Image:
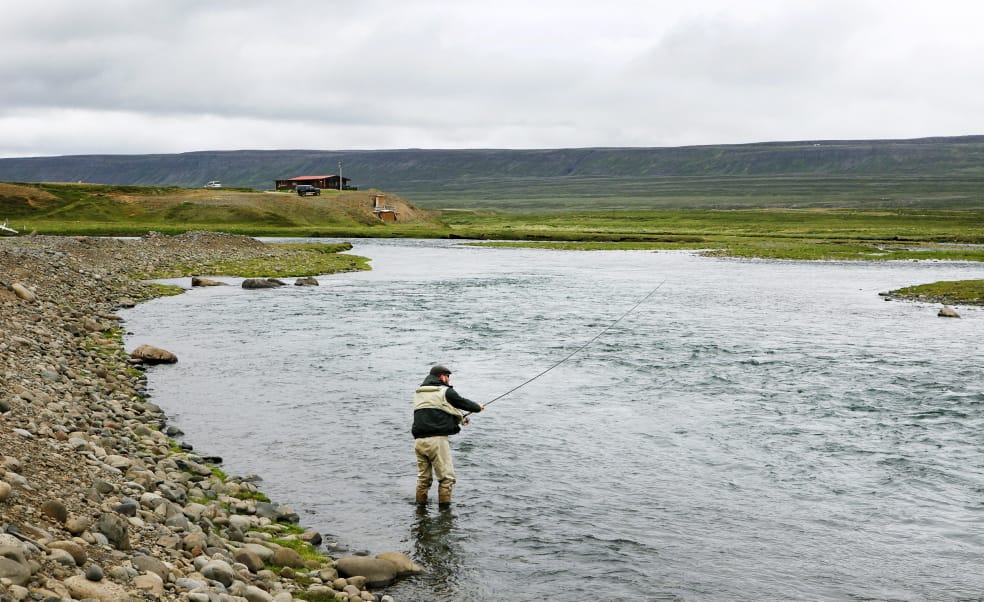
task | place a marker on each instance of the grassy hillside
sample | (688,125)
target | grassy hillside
(938,172)
(872,234)
(123,210)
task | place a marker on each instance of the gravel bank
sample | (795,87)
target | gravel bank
(95,501)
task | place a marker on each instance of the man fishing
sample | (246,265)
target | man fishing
(436,416)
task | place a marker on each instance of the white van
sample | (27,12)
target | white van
(214,184)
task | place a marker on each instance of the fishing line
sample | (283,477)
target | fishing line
(578,350)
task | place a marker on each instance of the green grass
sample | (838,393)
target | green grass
(917,225)
(304,260)
(644,192)
(800,217)
(958,292)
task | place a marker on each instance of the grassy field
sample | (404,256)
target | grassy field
(817,233)
(624,193)
(790,234)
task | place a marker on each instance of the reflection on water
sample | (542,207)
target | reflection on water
(436,548)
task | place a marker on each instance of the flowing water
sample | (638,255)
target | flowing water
(753,430)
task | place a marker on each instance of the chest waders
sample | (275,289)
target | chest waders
(434,453)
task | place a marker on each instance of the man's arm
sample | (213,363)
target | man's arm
(460,402)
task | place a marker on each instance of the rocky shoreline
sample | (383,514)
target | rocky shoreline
(96,502)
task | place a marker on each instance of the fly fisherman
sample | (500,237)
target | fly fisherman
(436,415)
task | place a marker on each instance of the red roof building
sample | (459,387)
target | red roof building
(329,182)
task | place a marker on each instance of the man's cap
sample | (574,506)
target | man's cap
(439,370)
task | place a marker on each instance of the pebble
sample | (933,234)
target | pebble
(102,504)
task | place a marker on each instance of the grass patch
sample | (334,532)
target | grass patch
(311,259)
(257,496)
(589,246)
(813,250)
(790,249)
(306,550)
(152,290)
(953,292)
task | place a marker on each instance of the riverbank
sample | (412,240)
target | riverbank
(96,502)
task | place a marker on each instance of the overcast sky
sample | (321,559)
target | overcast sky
(163,76)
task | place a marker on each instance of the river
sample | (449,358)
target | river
(752,430)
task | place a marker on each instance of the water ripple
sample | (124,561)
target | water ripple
(757,430)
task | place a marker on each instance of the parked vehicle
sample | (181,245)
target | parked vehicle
(306,189)
(214,184)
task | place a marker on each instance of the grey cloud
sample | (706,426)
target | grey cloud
(188,74)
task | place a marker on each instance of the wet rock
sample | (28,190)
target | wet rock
(258,283)
(378,573)
(200,281)
(149,354)
(280,513)
(312,537)
(948,312)
(402,562)
(308,281)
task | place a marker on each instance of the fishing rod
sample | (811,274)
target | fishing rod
(576,351)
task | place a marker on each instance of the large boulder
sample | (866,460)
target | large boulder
(378,572)
(104,591)
(280,513)
(948,312)
(114,527)
(219,570)
(250,559)
(149,354)
(287,557)
(77,552)
(150,582)
(402,562)
(151,564)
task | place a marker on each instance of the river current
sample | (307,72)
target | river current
(753,430)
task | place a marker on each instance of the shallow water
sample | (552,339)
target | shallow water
(754,430)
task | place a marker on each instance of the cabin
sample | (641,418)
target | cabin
(329,182)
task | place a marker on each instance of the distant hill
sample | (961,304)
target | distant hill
(937,171)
